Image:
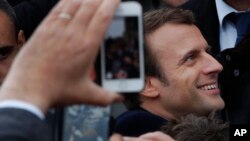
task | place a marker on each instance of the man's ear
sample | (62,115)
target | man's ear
(151,89)
(20,39)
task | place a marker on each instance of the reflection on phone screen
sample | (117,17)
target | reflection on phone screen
(122,49)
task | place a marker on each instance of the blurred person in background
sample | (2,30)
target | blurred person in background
(11,38)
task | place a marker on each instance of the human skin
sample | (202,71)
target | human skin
(9,44)
(191,71)
(175,3)
(240,5)
(53,67)
(154,136)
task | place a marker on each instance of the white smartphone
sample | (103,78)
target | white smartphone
(122,60)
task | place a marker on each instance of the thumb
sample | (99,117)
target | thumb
(117,137)
(98,96)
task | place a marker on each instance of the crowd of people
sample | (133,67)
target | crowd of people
(195,65)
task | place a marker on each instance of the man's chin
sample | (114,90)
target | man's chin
(218,106)
(222,105)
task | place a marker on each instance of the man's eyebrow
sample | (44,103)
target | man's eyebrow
(190,52)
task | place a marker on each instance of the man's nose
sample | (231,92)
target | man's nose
(212,65)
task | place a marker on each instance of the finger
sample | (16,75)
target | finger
(157,136)
(100,22)
(99,96)
(54,21)
(85,14)
(116,137)
(138,139)
(131,139)
(69,11)
(53,15)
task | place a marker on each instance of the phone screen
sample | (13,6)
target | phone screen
(121,49)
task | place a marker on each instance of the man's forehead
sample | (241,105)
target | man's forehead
(5,22)
(176,39)
(171,34)
(3,13)
(5,18)
(7,30)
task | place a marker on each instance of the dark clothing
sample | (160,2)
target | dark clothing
(235,77)
(235,82)
(15,2)
(137,122)
(207,20)
(31,12)
(20,125)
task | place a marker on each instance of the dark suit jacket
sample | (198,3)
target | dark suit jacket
(20,125)
(15,2)
(235,77)
(235,82)
(137,122)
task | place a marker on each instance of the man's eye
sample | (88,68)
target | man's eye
(189,58)
(5,52)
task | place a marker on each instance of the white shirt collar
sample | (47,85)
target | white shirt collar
(24,106)
(223,9)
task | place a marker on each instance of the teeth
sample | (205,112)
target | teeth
(209,87)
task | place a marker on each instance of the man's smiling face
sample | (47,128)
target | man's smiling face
(191,72)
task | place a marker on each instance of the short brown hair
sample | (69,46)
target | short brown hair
(153,20)
(197,128)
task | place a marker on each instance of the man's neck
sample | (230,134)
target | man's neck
(240,5)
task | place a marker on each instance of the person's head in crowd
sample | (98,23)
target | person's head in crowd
(181,76)
(197,128)
(11,38)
